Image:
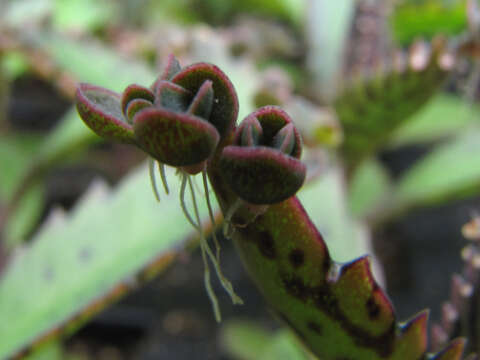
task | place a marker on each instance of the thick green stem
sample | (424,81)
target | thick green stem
(338,310)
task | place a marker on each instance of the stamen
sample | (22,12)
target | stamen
(151,171)
(163,177)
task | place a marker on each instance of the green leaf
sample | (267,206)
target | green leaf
(52,351)
(284,346)
(245,340)
(443,116)
(414,19)
(14,63)
(15,156)
(369,188)
(82,15)
(77,263)
(92,62)
(328,26)
(450,170)
(371,110)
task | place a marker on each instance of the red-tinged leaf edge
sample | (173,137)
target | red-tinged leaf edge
(225,104)
(176,139)
(261,175)
(101,111)
(133,92)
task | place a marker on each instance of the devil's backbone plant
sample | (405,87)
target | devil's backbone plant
(187,119)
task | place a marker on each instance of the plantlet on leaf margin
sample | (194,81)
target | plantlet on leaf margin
(262,166)
(179,121)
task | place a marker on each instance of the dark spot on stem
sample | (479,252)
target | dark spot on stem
(326,302)
(297,258)
(315,327)
(263,240)
(266,245)
(372,308)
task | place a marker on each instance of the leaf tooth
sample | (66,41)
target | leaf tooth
(453,351)
(413,335)
(361,299)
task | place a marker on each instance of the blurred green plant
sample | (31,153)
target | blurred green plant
(427,18)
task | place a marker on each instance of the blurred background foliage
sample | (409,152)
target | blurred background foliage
(389,116)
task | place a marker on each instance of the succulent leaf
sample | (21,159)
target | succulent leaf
(176,139)
(225,104)
(135,106)
(172,96)
(285,139)
(272,120)
(261,175)
(101,111)
(171,69)
(133,92)
(202,103)
(251,131)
